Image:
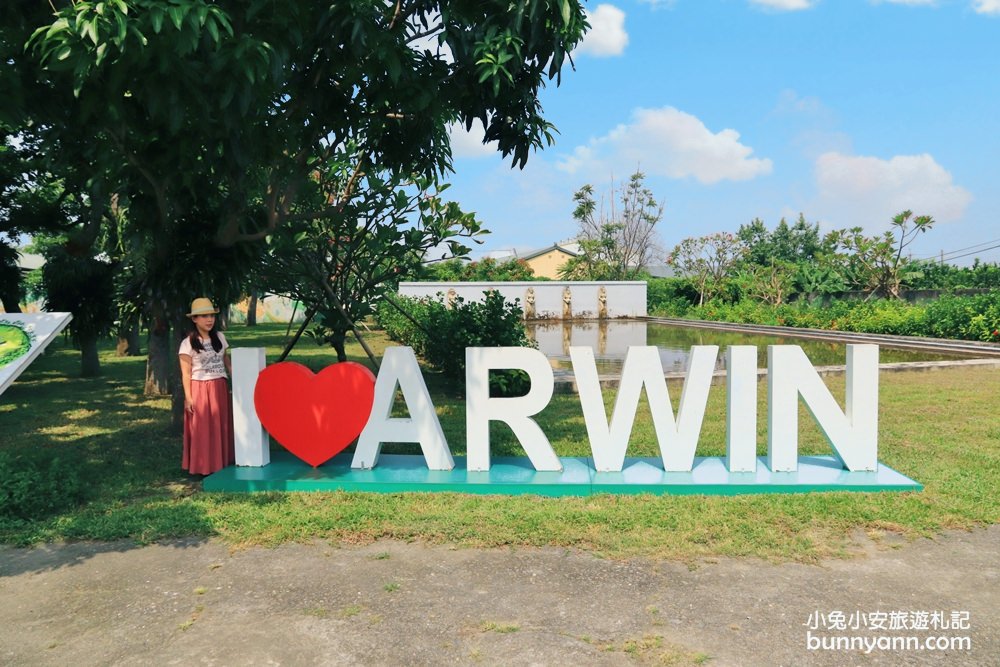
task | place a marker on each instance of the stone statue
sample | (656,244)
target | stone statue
(602,303)
(567,303)
(451,296)
(529,304)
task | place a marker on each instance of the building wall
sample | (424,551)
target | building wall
(624,299)
(547,265)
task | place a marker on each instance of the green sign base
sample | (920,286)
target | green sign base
(397,473)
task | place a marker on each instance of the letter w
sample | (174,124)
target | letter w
(677,438)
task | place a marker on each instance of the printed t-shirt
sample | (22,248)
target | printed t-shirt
(207,364)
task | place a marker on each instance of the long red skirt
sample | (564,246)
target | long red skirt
(208,431)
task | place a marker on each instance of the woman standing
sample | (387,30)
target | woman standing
(208,417)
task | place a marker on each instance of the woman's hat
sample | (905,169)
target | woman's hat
(202,306)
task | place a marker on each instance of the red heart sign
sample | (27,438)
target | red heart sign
(315,416)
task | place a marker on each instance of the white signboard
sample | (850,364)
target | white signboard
(852,432)
(23,337)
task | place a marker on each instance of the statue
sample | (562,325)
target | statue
(450,298)
(602,303)
(567,312)
(529,304)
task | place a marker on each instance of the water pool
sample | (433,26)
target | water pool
(610,339)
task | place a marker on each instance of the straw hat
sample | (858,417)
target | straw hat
(202,306)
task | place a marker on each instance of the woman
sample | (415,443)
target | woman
(208,418)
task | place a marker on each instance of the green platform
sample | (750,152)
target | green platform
(514,475)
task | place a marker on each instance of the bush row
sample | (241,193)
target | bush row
(957,317)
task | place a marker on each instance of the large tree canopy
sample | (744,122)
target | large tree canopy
(209,122)
(253,96)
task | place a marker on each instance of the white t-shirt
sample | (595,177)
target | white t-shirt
(207,364)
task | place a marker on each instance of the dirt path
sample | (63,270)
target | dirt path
(393,604)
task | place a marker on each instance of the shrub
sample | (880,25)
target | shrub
(401,328)
(37,485)
(670,297)
(966,317)
(444,333)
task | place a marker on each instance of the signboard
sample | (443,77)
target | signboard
(23,337)
(316,416)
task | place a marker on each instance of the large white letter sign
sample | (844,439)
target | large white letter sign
(516,412)
(853,433)
(400,369)
(253,446)
(677,438)
(741,408)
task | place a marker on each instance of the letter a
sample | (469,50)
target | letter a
(400,369)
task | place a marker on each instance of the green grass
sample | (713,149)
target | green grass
(940,428)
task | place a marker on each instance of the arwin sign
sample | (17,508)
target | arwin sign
(317,416)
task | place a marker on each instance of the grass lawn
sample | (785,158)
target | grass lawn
(941,428)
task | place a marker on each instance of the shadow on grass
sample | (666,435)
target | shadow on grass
(118,472)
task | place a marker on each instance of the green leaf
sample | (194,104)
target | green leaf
(213,30)
(90,30)
(156,19)
(122,29)
(177,15)
(565,11)
(102,51)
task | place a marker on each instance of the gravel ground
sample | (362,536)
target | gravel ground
(390,603)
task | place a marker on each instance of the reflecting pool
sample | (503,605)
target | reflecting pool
(610,339)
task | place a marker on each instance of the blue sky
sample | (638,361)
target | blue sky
(847,111)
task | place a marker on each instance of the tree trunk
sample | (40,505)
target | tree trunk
(159,359)
(90,365)
(338,341)
(177,409)
(10,303)
(128,343)
(252,310)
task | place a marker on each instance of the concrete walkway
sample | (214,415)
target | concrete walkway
(391,603)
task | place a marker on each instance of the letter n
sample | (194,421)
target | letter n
(852,433)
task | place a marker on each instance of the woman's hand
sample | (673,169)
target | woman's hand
(188,406)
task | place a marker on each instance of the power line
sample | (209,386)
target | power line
(957,250)
(974,252)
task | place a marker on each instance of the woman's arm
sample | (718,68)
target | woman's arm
(225,355)
(186,381)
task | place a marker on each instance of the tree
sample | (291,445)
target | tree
(339,263)
(877,263)
(484,270)
(770,283)
(616,243)
(84,286)
(794,243)
(708,261)
(211,118)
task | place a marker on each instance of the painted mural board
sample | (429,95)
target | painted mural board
(24,336)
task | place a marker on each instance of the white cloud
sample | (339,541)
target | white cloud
(790,101)
(991,7)
(607,35)
(668,142)
(867,191)
(469,144)
(784,5)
